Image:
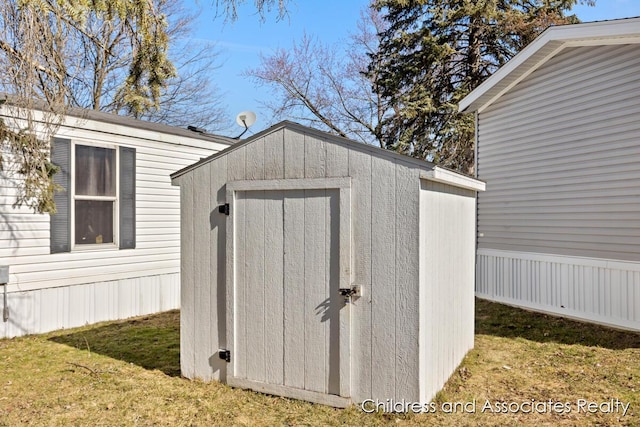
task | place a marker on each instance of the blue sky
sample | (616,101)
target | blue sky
(240,43)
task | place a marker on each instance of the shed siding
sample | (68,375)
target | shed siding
(25,243)
(381,236)
(560,153)
(292,343)
(447,253)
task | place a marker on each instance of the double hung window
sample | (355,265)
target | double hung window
(94,197)
(96,204)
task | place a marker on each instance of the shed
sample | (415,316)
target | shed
(325,269)
(558,142)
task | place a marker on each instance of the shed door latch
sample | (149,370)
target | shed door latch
(224,209)
(225,355)
(353,291)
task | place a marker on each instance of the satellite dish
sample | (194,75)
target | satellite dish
(246,119)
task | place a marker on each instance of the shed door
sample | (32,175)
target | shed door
(290,322)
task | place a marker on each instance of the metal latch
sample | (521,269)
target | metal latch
(353,291)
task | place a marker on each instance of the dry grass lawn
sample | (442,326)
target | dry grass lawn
(127,373)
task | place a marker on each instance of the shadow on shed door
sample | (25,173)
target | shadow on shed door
(287,305)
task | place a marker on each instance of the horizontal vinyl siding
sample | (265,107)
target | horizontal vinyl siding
(559,153)
(24,236)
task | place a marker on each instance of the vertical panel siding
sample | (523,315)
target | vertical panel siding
(407,217)
(253,262)
(559,153)
(200,239)
(294,245)
(315,292)
(385,209)
(360,171)
(273,287)
(188,288)
(595,290)
(447,252)
(383,279)
(280,340)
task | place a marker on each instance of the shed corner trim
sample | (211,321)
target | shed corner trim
(445,176)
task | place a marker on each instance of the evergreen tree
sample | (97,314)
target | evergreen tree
(434,53)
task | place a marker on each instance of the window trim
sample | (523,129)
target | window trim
(115,245)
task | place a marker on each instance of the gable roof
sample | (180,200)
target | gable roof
(320,134)
(429,170)
(543,48)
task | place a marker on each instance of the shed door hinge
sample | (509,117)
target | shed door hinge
(224,209)
(225,355)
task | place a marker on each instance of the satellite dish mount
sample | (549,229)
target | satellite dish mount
(245,119)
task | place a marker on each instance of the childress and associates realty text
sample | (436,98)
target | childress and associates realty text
(531,406)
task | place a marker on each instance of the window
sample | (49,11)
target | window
(95,195)
(96,207)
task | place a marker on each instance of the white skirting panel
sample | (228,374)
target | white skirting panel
(596,290)
(45,310)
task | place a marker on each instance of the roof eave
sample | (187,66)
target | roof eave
(84,114)
(542,49)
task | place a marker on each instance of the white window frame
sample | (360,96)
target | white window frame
(115,199)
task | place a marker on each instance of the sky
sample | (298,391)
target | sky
(241,43)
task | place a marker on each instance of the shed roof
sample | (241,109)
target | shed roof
(543,48)
(321,134)
(430,170)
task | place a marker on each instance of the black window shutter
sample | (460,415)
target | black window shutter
(60,238)
(127,198)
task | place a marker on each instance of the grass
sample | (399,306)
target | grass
(127,373)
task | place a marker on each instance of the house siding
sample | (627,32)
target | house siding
(35,272)
(559,152)
(558,227)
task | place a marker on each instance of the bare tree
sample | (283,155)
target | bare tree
(110,55)
(230,7)
(325,86)
(104,55)
(43,68)
(189,97)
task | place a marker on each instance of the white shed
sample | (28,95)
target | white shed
(558,144)
(279,229)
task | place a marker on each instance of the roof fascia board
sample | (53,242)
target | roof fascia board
(484,105)
(445,176)
(623,31)
(602,41)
